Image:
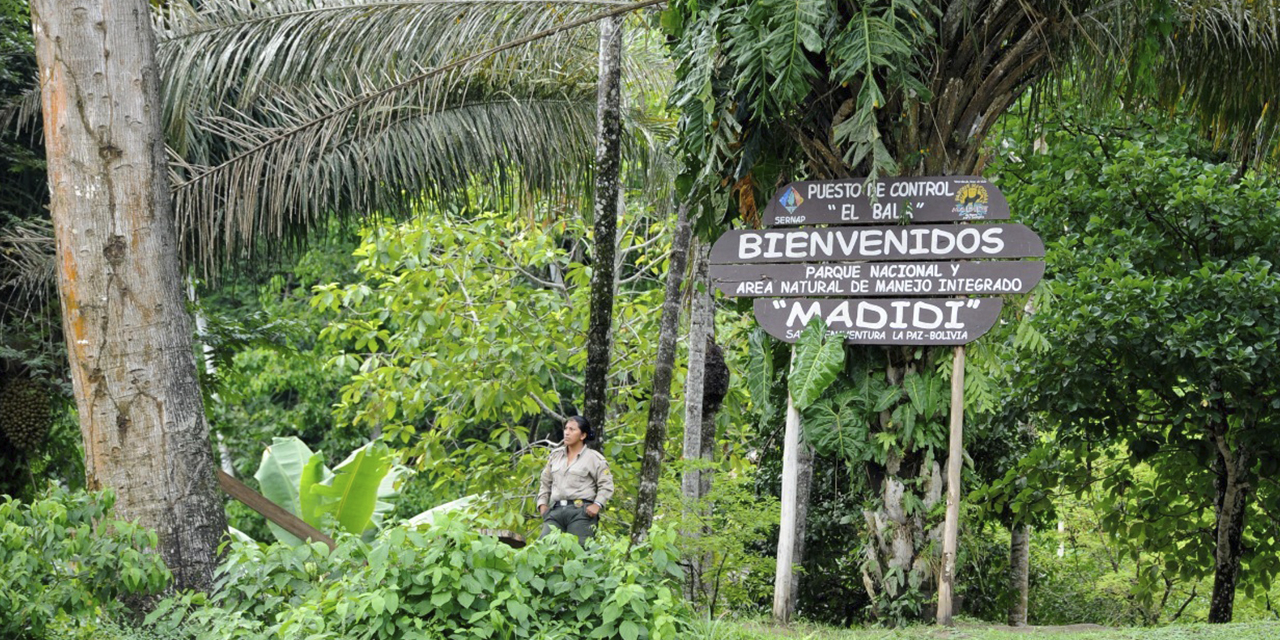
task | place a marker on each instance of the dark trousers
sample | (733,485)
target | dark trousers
(572,519)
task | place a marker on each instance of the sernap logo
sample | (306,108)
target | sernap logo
(790,200)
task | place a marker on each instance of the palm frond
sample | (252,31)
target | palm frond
(235,52)
(411,153)
(343,143)
(1224,61)
(27,263)
(1215,58)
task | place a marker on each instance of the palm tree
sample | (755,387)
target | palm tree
(772,90)
(283,114)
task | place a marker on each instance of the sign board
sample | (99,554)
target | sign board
(877,278)
(904,321)
(898,242)
(856,201)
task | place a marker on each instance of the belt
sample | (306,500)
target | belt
(570,503)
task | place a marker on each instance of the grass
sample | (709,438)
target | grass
(975,630)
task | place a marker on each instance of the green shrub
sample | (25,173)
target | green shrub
(63,559)
(442,582)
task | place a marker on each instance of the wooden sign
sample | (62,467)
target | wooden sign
(899,242)
(877,278)
(856,201)
(902,321)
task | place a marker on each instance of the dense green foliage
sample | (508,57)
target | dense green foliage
(441,582)
(464,350)
(66,561)
(1160,375)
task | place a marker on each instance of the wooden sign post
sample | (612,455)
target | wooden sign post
(782,591)
(955,460)
(883,241)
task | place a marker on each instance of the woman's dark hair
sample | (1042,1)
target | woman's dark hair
(584,425)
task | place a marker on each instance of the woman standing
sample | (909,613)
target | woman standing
(576,484)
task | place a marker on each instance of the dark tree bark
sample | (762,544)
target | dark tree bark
(128,334)
(1019,572)
(655,436)
(607,186)
(1232,484)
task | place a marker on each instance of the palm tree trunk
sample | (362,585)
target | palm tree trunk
(1019,572)
(655,436)
(607,185)
(128,334)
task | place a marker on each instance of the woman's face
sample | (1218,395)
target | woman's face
(572,433)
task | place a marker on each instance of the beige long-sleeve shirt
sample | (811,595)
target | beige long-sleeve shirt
(587,478)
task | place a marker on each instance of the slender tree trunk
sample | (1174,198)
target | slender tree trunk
(608,168)
(1019,572)
(128,334)
(700,319)
(699,333)
(655,436)
(1232,496)
(211,369)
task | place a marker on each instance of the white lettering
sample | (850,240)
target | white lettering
(918,321)
(994,243)
(866,323)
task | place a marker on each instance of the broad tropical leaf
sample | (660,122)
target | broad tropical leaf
(278,478)
(313,474)
(352,495)
(760,373)
(837,426)
(818,360)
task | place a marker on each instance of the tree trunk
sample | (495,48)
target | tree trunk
(608,166)
(655,436)
(1232,495)
(210,369)
(128,334)
(700,319)
(1019,572)
(699,335)
(897,537)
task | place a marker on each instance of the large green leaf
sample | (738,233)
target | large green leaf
(387,489)
(760,373)
(838,426)
(278,479)
(352,494)
(313,475)
(818,360)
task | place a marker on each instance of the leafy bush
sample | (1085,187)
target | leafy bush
(441,582)
(63,558)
